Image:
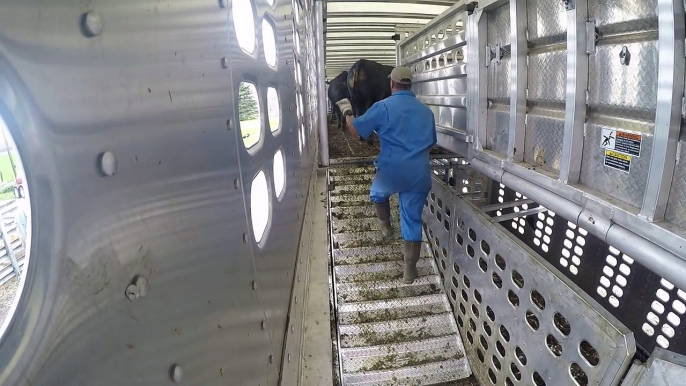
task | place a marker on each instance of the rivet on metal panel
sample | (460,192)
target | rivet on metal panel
(141,283)
(625,56)
(245,238)
(225,62)
(263,325)
(296,300)
(254,284)
(569,4)
(271,359)
(91,24)
(108,163)
(222,3)
(176,373)
(236,183)
(298,278)
(132,292)
(292,328)
(289,358)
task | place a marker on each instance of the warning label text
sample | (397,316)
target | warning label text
(617,160)
(621,141)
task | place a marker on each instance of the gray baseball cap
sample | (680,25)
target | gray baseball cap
(401,75)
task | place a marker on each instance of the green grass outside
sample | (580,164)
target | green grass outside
(7,196)
(250,130)
(6,168)
(274,123)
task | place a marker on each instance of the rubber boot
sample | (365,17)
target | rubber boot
(412,251)
(383,212)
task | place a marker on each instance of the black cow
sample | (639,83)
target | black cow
(368,83)
(338,90)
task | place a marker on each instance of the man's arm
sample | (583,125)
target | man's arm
(349,121)
(366,124)
(347,110)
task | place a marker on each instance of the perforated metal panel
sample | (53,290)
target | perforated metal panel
(517,327)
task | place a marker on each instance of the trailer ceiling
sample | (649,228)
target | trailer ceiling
(357,29)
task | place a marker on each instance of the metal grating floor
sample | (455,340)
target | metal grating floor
(389,333)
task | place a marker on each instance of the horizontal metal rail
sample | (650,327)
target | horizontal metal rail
(381,15)
(523,213)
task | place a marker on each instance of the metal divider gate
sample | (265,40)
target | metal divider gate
(522,322)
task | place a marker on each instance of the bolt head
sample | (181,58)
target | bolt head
(108,164)
(141,283)
(91,24)
(176,373)
(225,62)
(132,292)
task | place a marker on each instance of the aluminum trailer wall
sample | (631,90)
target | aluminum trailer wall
(144,264)
(536,91)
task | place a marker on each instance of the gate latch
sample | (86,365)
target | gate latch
(494,52)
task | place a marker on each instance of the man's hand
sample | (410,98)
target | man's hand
(345,106)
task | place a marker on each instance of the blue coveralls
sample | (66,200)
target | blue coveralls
(407,130)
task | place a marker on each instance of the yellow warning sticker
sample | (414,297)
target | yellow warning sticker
(617,161)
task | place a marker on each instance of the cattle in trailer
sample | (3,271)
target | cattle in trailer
(368,83)
(338,90)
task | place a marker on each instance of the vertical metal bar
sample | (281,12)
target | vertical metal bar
(8,246)
(518,83)
(577,84)
(670,80)
(477,80)
(321,89)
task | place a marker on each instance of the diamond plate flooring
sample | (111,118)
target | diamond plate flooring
(390,333)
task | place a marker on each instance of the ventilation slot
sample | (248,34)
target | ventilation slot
(544,229)
(666,312)
(615,274)
(573,248)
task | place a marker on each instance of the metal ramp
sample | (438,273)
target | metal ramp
(388,333)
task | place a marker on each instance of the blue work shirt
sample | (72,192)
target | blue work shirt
(406,129)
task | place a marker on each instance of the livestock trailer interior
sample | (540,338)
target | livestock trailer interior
(177,208)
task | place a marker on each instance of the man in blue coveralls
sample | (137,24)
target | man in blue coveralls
(407,130)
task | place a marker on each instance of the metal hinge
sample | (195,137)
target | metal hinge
(592,36)
(569,4)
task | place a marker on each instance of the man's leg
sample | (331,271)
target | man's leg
(380,197)
(411,206)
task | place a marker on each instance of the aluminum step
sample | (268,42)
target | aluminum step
(372,254)
(390,333)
